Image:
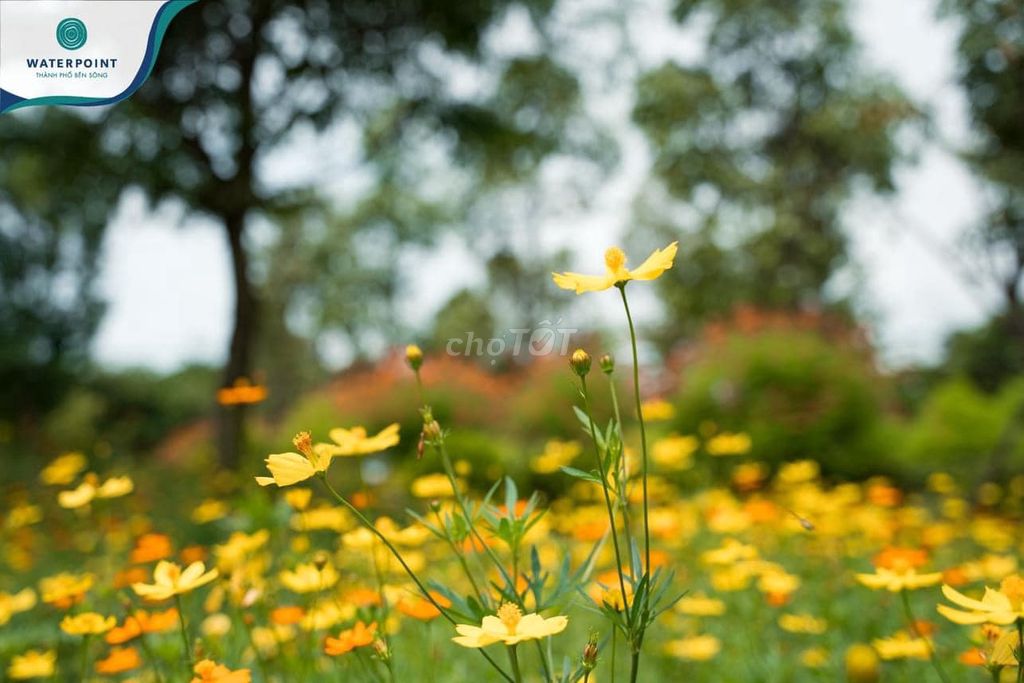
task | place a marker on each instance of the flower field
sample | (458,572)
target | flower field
(665,556)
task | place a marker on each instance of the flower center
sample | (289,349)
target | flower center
(615,259)
(304,444)
(510,616)
(1013,588)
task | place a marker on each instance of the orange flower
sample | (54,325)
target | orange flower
(122,634)
(973,657)
(193,553)
(157,622)
(901,559)
(421,608)
(210,671)
(349,639)
(363,597)
(242,392)
(125,578)
(285,616)
(151,547)
(120,659)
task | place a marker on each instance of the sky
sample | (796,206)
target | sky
(169,291)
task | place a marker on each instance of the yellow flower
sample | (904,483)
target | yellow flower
(33,664)
(510,626)
(697,648)
(1004,606)
(90,488)
(674,452)
(729,444)
(802,623)
(87,624)
(434,485)
(814,658)
(63,469)
(616,272)
(349,442)
(169,580)
(291,468)
(896,570)
(115,487)
(64,589)
(210,510)
(657,410)
(306,578)
(861,663)
(700,606)
(11,604)
(298,498)
(557,454)
(902,646)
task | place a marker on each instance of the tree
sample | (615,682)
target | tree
(238,81)
(52,216)
(756,150)
(991,71)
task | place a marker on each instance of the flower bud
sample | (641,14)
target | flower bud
(580,362)
(381,648)
(414,357)
(431,431)
(320,560)
(607,364)
(590,653)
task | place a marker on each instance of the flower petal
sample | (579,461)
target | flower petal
(656,264)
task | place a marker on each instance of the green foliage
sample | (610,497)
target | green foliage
(960,428)
(990,355)
(757,147)
(795,393)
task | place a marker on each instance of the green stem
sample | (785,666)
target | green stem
(184,634)
(483,598)
(513,659)
(85,657)
(157,669)
(615,642)
(905,596)
(623,494)
(643,432)
(408,570)
(634,666)
(607,496)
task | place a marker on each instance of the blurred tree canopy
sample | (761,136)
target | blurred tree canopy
(237,82)
(756,149)
(991,71)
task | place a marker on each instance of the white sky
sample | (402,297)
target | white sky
(169,290)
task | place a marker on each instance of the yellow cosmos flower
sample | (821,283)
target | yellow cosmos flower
(902,646)
(896,581)
(700,606)
(90,489)
(169,580)
(87,624)
(556,455)
(63,469)
(802,623)
(306,578)
(65,589)
(11,604)
(33,664)
(355,441)
(291,468)
(616,272)
(510,626)
(697,648)
(1004,606)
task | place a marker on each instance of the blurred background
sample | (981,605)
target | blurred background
(304,186)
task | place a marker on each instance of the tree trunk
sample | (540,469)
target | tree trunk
(231,419)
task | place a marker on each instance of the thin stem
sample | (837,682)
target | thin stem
(634,667)
(643,432)
(905,595)
(513,659)
(157,669)
(408,570)
(607,496)
(615,642)
(85,657)
(624,479)
(184,634)
(484,599)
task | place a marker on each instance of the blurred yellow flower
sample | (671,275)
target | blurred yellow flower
(657,410)
(11,604)
(674,452)
(1004,606)
(355,441)
(63,590)
(63,469)
(902,646)
(726,444)
(616,272)
(802,623)
(298,498)
(210,510)
(695,648)
(170,580)
(510,627)
(700,606)
(436,485)
(557,454)
(306,578)
(862,665)
(33,664)
(87,624)
(896,570)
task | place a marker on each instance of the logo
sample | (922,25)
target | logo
(71,33)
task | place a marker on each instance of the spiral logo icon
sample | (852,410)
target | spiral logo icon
(71,33)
